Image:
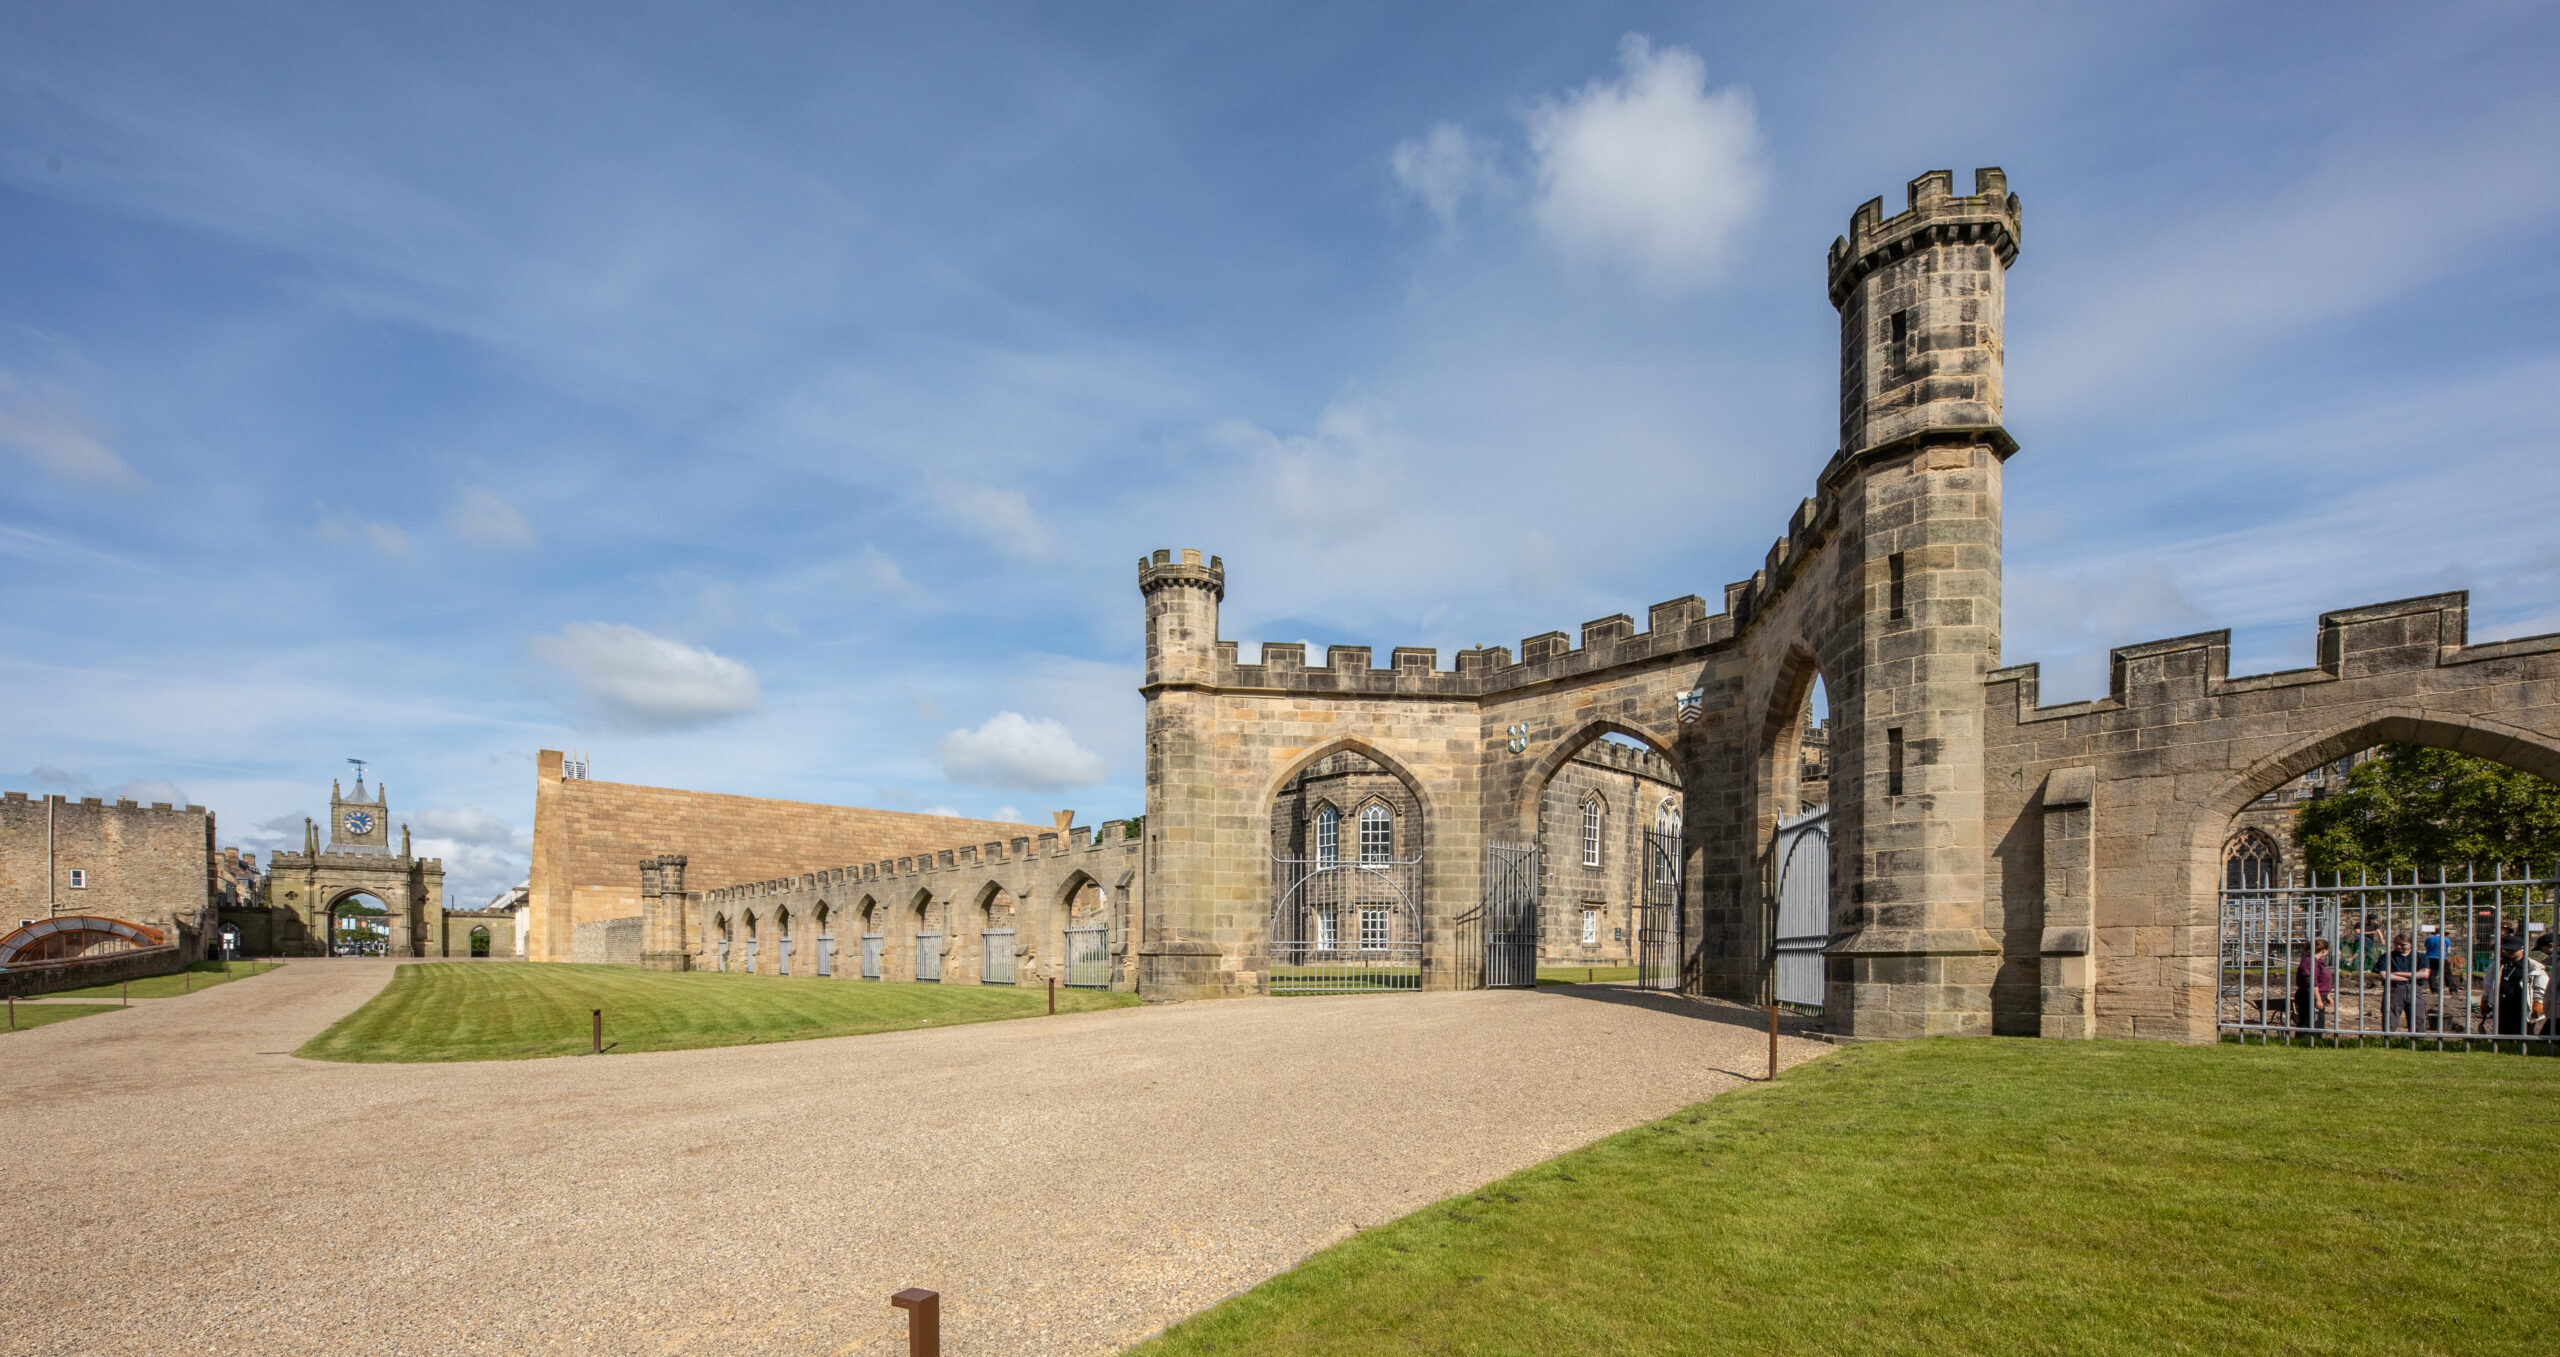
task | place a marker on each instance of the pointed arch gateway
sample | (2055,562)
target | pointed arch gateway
(1595,881)
(1348,833)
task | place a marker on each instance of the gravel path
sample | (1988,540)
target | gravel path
(1069,1184)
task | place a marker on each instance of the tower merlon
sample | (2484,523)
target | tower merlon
(1936,216)
(1165,570)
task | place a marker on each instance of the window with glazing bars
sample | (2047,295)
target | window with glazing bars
(1591,831)
(1377,835)
(1373,929)
(1324,930)
(1328,835)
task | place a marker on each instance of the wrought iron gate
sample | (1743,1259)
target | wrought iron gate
(1510,916)
(995,958)
(871,955)
(1658,950)
(2435,955)
(1341,927)
(1089,957)
(929,956)
(1800,906)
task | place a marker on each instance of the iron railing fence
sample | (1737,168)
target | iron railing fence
(929,957)
(1658,950)
(1089,957)
(1340,926)
(995,957)
(1510,922)
(2446,957)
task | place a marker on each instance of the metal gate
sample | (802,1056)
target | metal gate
(1510,916)
(1658,949)
(826,954)
(995,958)
(1089,957)
(929,956)
(1800,896)
(1342,927)
(871,955)
(2437,956)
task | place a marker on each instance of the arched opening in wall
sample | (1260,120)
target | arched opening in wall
(359,924)
(874,940)
(1080,932)
(480,940)
(2389,883)
(924,926)
(1606,826)
(228,943)
(720,942)
(73,937)
(824,917)
(782,941)
(750,942)
(995,943)
(1792,826)
(1347,912)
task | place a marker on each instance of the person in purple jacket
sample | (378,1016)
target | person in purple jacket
(2315,989)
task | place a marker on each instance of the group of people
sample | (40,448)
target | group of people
(2517,999)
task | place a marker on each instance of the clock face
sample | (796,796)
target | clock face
(359,822)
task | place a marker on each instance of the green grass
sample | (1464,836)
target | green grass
(201,975)
(1981,1196)
(43,1015)
(1578,975)
(1348,978)
(514,1010)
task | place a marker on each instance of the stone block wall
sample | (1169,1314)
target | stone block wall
(607,942)
(147,865)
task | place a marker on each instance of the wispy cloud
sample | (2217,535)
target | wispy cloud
(483,518)
(40,425)
(342,525)
(1028,753)
(624,678)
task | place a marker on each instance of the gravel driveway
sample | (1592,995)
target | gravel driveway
(1069,1184)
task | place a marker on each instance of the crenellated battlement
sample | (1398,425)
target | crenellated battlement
(1086,844)
(121,803)
(2406,635)
(1935,216)
(1165,571)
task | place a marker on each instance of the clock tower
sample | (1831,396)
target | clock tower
(357,825)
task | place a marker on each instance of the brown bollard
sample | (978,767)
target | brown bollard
(924,1320)
(13,1013)
(598,1015)
(1053,996)
(127,996)
(1773,1041)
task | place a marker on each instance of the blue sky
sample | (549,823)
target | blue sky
(776,399)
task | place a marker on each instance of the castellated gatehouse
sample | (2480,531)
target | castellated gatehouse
(1974,863)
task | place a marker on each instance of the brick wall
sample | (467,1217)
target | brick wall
(147,865)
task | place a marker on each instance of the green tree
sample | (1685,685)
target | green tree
(2415,807)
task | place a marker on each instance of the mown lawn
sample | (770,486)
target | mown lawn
(201,975)
(502,1010)
(1978,1196)
(1583,975)
(41,1015)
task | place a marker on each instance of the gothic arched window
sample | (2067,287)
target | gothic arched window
(2249,862)
(1377,835)
(1666,817)
(1591,824)
(1328,836)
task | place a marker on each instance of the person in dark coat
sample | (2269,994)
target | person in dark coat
(2520,986)
(2315,988)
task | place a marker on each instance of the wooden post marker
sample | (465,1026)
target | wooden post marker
(924,1320)
(598,1014)
(1773,1041)
(1053,996)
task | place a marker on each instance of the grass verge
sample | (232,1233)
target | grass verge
(1583,975)
(201,975)
(501,1010)
(45,1015)
(1984,1196)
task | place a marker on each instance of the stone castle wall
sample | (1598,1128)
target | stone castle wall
(607,942)
(588,836)
(148,865)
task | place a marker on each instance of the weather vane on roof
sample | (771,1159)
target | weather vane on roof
(359,763)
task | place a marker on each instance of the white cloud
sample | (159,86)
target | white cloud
(1328,486)
(1002,518)
(1032,754)
(1444,167)
(465,824)
(874,573)
(149,790)
(40,426)
(1007,813)
(1651,170)
(346,525)
(480,517)
(47,776)
(626,678)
